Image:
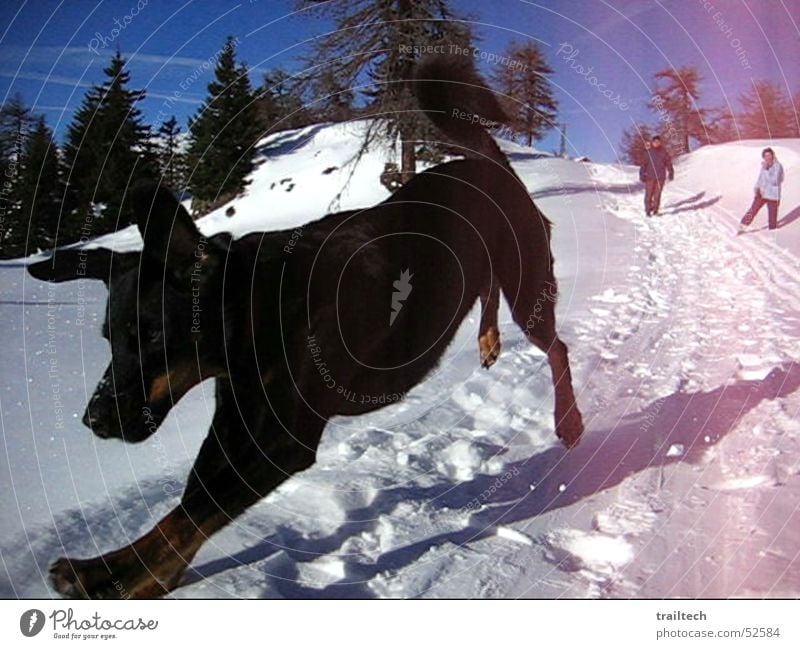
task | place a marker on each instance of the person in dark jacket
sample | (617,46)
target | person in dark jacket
(653,173)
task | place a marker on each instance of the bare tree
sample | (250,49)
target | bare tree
(634,142)
(675,99)
(373,47)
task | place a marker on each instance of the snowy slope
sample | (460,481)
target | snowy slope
(685,348)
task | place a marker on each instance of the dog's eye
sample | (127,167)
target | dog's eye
(154,336)
(130,332)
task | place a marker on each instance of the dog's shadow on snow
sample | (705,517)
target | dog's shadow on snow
(678,428)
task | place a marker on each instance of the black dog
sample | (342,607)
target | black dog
(338,318)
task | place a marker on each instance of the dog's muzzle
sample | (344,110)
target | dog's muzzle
(97,421)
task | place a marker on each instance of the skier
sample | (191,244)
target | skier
(653,173)
(767,190)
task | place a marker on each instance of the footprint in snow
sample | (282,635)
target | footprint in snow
(573,550)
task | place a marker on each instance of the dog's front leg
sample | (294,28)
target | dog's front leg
(149,567)
(152,565)
(239,463)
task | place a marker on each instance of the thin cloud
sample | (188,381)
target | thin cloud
(47,54)
(69,81)
(55,109)
(182,99)
(46,78)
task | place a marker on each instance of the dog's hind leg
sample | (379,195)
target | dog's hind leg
(568,420)
(489,334)
(536,318)
(238,464)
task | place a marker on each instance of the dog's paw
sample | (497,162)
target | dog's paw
(82,579)
(570,428)
(101,579)
(489,347)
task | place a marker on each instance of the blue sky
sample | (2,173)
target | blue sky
(46,55)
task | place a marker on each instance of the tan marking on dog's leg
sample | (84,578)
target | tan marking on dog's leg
(489,333)
(489,346)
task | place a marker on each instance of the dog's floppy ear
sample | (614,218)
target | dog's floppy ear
(66,265)
(168,231)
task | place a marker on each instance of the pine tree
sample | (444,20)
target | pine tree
(40,189)
(767,113)
(796,110)
(15,120)
(376,42)
(171,159)
(15,123)
(223,134)
(530,102)
(108,149)
(80,157)
(675,99)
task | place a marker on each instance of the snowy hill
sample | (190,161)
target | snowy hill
(685,342)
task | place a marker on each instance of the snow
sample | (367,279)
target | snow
(684,340)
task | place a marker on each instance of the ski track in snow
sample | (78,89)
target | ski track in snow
(716,360)
(685,485)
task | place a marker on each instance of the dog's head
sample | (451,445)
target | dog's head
(164,317)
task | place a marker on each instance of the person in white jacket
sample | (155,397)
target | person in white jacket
(767,190)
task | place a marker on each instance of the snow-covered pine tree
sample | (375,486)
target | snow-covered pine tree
(108,148)
(529,99)
(223,134)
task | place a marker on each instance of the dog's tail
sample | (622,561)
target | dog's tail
(460,104)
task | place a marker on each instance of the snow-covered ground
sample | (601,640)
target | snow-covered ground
(685,344)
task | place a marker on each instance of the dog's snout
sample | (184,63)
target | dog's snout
(96,418)
(91,421)
(110,417)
